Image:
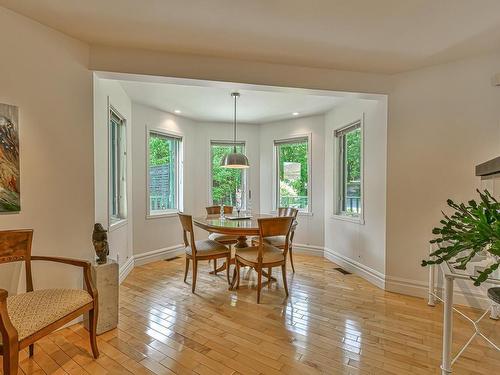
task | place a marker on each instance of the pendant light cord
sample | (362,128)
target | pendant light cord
(234,133)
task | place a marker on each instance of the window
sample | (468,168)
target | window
(164,173)
(350,169)
(292,173)
(226,181)
(117,168)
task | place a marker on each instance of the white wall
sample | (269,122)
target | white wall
(359,247)
(109,93)
(45,74)
(310,229)
(443,120)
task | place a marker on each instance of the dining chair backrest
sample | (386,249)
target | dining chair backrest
(187,227)
(15,246)
(215,210)
(274,226)
(288,211)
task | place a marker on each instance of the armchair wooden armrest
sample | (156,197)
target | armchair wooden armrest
(73,262)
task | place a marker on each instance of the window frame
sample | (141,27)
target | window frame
(244,170)
(295,138)
(120,219)
(338,213)
(179,170)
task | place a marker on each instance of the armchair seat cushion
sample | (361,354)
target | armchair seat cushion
(32,311)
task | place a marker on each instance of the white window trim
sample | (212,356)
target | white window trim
(115,223)
(337,214)
(246,172)
(309,211)
(180,174)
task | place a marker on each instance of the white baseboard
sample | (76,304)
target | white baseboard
(152,256)
(418,288)
(125,269)
(308,249)
(148,257)
(369,274)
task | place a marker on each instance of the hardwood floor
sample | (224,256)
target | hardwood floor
(331,324)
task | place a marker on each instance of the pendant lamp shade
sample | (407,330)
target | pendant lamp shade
(234,159)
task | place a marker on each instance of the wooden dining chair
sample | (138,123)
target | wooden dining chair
(265,256)
(200,250)
(222,238)
(215,210)
(27,317)
(279,241)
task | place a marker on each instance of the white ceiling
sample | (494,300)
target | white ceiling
(385,36)
(216,104)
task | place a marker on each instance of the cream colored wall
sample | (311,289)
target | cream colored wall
(359,247)
(310,229)
(443,120)
(109,93)
(45,74)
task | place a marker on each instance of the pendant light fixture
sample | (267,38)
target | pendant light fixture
(235,159)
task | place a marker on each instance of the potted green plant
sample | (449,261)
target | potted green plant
(472,229)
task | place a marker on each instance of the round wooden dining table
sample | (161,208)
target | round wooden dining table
(231,225)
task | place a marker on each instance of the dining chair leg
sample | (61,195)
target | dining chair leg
(269,275)
(31,350)
(259,283)
(215,266)
(283,271)
(195,273)
(238,274)
(187,269)
(291,258)
(228,262)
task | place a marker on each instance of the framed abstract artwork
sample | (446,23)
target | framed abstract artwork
(9,159)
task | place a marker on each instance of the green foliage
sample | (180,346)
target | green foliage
(225,181)
(296,153)
(353,153)
(159,150)
(470,229)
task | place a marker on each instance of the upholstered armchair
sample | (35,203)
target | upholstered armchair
(25,318)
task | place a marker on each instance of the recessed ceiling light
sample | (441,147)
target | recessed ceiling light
(177,111)
(295,113)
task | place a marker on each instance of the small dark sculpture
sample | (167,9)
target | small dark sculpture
(100,241)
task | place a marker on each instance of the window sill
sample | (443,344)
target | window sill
(116,224)
(162,215)
(351,219)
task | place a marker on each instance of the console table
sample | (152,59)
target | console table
(450,275)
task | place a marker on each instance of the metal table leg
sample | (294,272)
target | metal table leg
(447,326)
